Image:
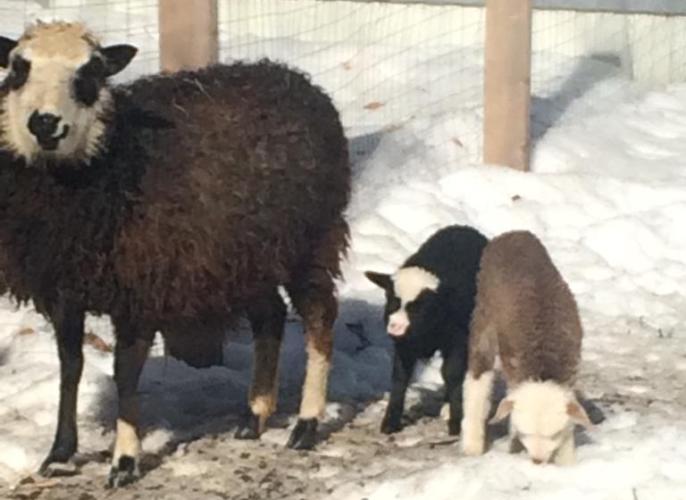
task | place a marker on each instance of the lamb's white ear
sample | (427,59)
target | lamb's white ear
(578,415)
(504,409)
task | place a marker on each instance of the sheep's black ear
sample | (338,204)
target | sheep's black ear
(380,279)
(6,46)
(117,57)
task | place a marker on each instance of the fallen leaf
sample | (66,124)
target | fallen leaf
(26,331)
(97,343)
(373,105)
(457,141)
(516,197)
(347,65)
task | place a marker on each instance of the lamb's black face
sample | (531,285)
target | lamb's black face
(413,303)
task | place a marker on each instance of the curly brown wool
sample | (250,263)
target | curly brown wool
(212,189)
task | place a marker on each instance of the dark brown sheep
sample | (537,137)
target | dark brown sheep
(526,314)
(174,203)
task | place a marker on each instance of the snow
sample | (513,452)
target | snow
(607,196)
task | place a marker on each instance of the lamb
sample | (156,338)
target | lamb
(429,303)
(175,203)
(526,314)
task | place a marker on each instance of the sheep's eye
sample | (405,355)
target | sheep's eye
(88,80)
(393,304)
(19,73)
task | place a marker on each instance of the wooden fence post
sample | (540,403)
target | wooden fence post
(189,34)
(507,83)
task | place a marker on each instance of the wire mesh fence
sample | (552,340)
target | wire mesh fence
(601,55)
(401,65)
(406,68)
(115,21)
(385,64)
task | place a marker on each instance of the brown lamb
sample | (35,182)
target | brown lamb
(526,314)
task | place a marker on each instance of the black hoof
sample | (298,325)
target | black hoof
(453,427)
(58,463)
(391,425)
(249,428)
(123,473)
(304,434)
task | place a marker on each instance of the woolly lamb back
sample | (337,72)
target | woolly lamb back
(535,314)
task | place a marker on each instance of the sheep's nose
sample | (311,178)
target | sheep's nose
(537,461)
(43,125)
(397,325)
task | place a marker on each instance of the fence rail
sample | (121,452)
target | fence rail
(655,7)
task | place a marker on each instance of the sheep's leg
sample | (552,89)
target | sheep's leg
(478,382)
(453,372)
(477,394)
(403,368)
(316,304)
(312,292)
(130,354)
(68,325)
(267,318)
(566,453)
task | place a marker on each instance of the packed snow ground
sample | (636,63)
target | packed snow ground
(607,195)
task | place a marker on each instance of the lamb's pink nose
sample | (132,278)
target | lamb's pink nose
(397,324)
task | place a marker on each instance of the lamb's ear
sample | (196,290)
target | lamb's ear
(578,415)
(6,46)
(380,279)
(504,409)
(117,57)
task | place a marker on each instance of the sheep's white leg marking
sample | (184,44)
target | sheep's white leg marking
(265,377)
(566,453)
(316,379)
(267,318)
(477,404)
(127,442)
(263,406)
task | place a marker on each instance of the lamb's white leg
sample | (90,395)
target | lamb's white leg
(477,404)
(566,453)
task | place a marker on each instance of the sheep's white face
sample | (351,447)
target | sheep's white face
(412,302)
(56,93)
(542,417)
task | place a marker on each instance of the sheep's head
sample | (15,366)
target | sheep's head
(415,302)
(542,417)
(54,99)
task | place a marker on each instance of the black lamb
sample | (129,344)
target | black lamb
(429,303)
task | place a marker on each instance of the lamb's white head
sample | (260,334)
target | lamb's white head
(542,417)
(54,99)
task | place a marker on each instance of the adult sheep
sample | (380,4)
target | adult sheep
(173,204)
